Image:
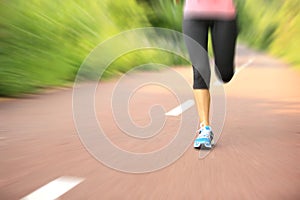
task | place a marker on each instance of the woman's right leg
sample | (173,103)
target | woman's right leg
(198,31)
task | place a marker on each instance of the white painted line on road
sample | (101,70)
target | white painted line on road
(54,189)
(249,62)
(218,83)
(181,108)
(237,70)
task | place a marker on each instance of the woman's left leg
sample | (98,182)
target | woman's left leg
(224,35)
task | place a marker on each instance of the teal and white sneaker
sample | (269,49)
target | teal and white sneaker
(204,138)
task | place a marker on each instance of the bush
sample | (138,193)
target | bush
(43,43)
(273,26)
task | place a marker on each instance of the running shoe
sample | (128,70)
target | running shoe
(204,138)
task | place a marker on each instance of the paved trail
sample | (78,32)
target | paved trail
(257,155)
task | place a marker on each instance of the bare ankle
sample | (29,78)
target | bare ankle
(204,123)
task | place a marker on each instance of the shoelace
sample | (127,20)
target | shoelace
(204,134)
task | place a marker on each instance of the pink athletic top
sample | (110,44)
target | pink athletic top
(209,9)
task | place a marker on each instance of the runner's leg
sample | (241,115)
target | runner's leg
(224,35)
(198,31)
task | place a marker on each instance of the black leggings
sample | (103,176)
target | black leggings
(223,34)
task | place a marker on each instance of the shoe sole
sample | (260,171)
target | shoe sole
(204,146)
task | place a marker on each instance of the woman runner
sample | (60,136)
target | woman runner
(218,17)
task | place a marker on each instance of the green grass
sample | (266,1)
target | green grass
(43,43)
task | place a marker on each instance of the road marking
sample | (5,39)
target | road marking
(181,108)
(238,69)
(218,83)
(54,189)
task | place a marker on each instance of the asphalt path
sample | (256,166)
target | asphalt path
(256,156)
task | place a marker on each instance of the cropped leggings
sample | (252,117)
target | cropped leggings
(223,35)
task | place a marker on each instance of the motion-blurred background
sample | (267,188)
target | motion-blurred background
(43,43)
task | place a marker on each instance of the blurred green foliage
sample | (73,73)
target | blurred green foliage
(43,43)
(286,43)
(271,25)
(164,13)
